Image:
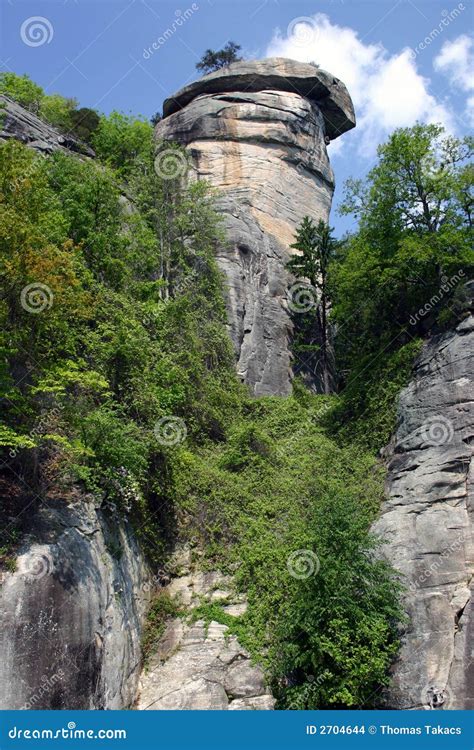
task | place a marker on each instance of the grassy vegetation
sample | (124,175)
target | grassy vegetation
(113,324)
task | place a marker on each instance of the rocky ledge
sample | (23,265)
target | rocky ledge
(16,122)
(199,665)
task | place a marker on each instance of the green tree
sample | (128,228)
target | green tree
(120,139)
(84,122)
(402,273)
(58,111)
(316,245)
(338,634)
(214,60)
(22,90)
(414,231)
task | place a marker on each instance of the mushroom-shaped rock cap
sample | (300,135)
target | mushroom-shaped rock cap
(281,74)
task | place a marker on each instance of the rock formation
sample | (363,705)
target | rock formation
(72,612)
(257,131)
(16,122)
(427,525)
(199,666)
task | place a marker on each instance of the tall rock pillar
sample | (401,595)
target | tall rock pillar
(257,131)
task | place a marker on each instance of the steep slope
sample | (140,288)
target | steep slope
(16,122)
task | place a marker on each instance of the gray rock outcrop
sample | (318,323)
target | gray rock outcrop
(16,122)
(427,525)
(198,666)
(257,131)
(72,612)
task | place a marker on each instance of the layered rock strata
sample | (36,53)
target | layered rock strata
(257,131)
(201,666)
(16,122)
(427,525)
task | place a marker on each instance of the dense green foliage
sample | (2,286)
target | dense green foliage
(267,504)
(101,347)
(117,379)
(120,140)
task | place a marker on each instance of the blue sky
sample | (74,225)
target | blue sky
(402,60)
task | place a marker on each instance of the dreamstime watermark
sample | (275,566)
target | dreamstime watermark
(438,564)
(36,31)
(36,297)
(36,564)
(47,685)
(447,285)
(170,430)
(171,163)
(448,17)
(436,431)
(302,564)
(303,31)
(67,733)
(160,579)
(180,20)
(302,297)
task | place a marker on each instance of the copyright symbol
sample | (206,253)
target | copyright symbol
(372,730)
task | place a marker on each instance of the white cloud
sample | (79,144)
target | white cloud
(387,90)
(456,61)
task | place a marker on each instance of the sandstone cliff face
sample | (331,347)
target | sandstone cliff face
(72,612)
(427,524)
(257,131)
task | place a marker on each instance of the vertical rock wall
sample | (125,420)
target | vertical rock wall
(427,525)
(257,131)
(72,612)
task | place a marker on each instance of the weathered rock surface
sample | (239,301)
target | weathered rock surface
(199,667)
(72,612)
(427,524)
(257,131)
(16,122)
(279,73)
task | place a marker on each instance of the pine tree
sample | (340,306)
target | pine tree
(316,244)
(212,61)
